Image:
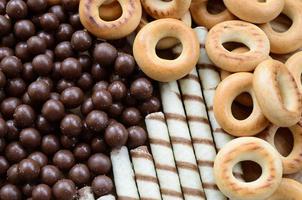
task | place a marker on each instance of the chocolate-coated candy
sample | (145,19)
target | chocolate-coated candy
(14,152)
(38,91)
(64,32)
(36,45)
(10,192)
(79,174)
(117,90)
(2,7)
(49,21)
(24,29)
(5,25)
(150,106)
(137,136)
(87,106)
(37,5)
(97,120)
(4,165)
(81,40)
(2,144)
(41,192)
(70,5)
(63,50)
(101,99)
(50,144)
(15,87)
(85,62)
(3,128)
(74,20)
(71,125)
(85,81)
(101,85)
(48,38)
(99,163)
(27,188)
(43,125)
(16,9)
(53,110)
(68,142)
(28,169)
(2,79)
(104,54)
(70,68)
(115,109)
(22,51)
(98,72)
(131,116)
(12,174)
(98,145)
(141,88)
(50,174)
(39,157)
(124,65)
(8,40)
(64,189)
(72,97)
(30,138)
(82,151)
(102,185)
(64,84)
(64,159)
(42,64)
(28,73)
(116,135)
(12,130)
(8,106)
(11,66)
(59,11)
(5,52)
(24,115)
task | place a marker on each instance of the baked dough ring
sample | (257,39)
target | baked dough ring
(254,149)
(255,11)
(290,40)
(293,162)
(277,93)
(203,17)
(237,31)
(294,65)
(121,27)
(166,9)
(226,92)
(110,11)
(158,68)
(289,189)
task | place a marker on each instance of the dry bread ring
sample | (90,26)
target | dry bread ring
(294,65)
(166,9)
(226,93)
(203,17)
(254,149)
(255,11)
(121,27)
(277,93)
(292,37)
(158,68)
(288,189)
(292,163)
(110,11)
(237,31)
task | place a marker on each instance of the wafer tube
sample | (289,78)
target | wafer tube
(181,141)
(145,174)
(200,133)
(163,156)
(123,174)
(86,193)
(107,197)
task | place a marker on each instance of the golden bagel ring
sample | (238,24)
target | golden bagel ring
(293,162)
(292,37)
(121,27)
(162,69)
(237,31)
(254,149)
(277,93)
(166,9)
(294,65)
(255,11)
(202,17)
(226,92)
(110,11)
(289,189)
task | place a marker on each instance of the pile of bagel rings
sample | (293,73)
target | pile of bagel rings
(253,67)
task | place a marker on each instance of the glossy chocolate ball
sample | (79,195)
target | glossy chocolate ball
(98,145)
(49,21)
(2,144)
(48,38)
(44,126)
(85,81)
(117,90)
(27,188)
(124,65)
(28,73)
(8,40)
(2,7)
(70,5)
(141,88)
(70,68)
(11,66)
(137,136)
(50,144)
(63,50)
(10,192)
(42,64)
(82,151)
(59,11)
(104,54)
(37,6)
(8,106)
(97,121)
(81,40)
(72,97)
(64,159)
(102,185)
(131,116)
(5,52)
(16,9)
(64,189)
(101,99)
(64,32)
(68,142)
(98,72)
(39,157)
(12,174)
(22,51)
(115,110)
(15,87)
(30,138)
(87,106)
(150,106)
(15,152)
(64,84)
(24,115)
(41,192)
(2,79)
(79,174)
(5,25)
(116,135)
(24,29)
(74,20)
(99,163)
(101,85)
(36,45)
(28,169)
(4,165)
(38,91)
(53,110)
(50,174)
(71,125)
(12,130)
(3,128)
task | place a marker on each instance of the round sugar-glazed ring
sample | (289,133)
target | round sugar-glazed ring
(110,11)
(288,189)
(162,69)
(167,43)
(294,65)
(255,11)
(290,40)
(277,93)
(166,9)
(253,149)
(226,93)
(292,163)
(237,31)
(203,17)
(121,27)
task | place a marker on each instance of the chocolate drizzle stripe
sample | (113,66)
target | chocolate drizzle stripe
(160,142)
(186,165)
(178,95)
(206,66)
(126,198)
(211,186)
(169,192)
(160,118)
(192,191)
(166,167)
(203,141)
(174,116)
(191,97)
(198,119)
(210,108)
(146,178)
(207,163)
(137,154)
(180,140)
(192,77)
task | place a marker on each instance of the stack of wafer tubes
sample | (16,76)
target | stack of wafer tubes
(123,174)
(181,141)
(107,197)
(163,156)
(145,174)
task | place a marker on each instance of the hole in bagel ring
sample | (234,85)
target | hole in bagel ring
(111,11)
(253,149)
(288,189)
(294,65)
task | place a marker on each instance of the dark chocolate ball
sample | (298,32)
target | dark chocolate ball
(63,84)
(5,52)
(70,5)
(27,188)
(2,7)
(102,185)
(117,90)
(39,157)
(30,138)
(5,25)
(68,142)
(64,189)
(3,128)
(74,20)
(49,21)
(2,144)
(87,106)
(24,29)
(28,73)
(50,174)
(11,66)
(85,62)
(4,165)
(130,100)
(10,192)
(101,85)
(22,51)
(104,54)
(48,38)
(115,109)
(82,151)
(44,126)
(71,125)
(141,88)
(15,87)
(28,169)
(150,106)
(101,99)
(8,106)
(63,50)
(137,136)
(99,163)
(98,145)
(42,64)
(64,32)
(64,159)
(70,68)
(98,72)
(85,81)
(24,115)
(12,174)
(124,65)
(97,120)
(116,135)
(81,40)
(37,6)
(38,91)
(12,130)
(36,45)
(14,152)
(50,144)
(2,79)
(41,192)
(16,9)
(59,11)
(72,97)
(8,40)
(131,116)
(79,174)
(53,110)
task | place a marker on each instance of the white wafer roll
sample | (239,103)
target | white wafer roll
(163,156)
(200,132)
(145,174)
(86,193)
(107,197)
(181,141)
(123,174)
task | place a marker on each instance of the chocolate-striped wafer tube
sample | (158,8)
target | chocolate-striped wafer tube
(210,78)
(145,174)
(123,174)
(200,130)
(186,164)
(86,193)
(107,197)
(163,156)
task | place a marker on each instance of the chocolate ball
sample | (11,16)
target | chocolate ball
(22,51)
(30,138)
(8,40)
(48,38)
(4,165)
(8,106)
(2,7)
(36,45)
(117,90)
(98,72)
(131,116)
(40,192)
(28,73)
(50,174)
(115,110)
(59,11)
(27,188)
(5,52)
(14,152)
(39,157)
(3,128)
(38,91)
(74,20)
(63,50)
(37,6)
(24,29)
(12,130)
(71,68)
(68,142)
(64,32)
(11,66)
(101,99)
(104,54)
(72,97)
(141,88)
(79,174)
(10,192)
(101,85)
(24,115)
(150,106)
(44,126)
(16,9)
(15,87)
(82,151)
(102,185)
(42,64)
(5,25)
(71,125)
(64,84)
(28,169)
(64,159)
(124,65)
(2,79)
(99,163)
(116,135)
(87,106)
(50,144)
(64,189)
(81,40)
(70,5)
(53,110)
(12,174)
(85,81)
(98,145)
(49,21)
(85,62)
(2,144)
(137,136)
(96,120)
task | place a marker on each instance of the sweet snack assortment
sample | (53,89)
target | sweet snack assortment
(150,99)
